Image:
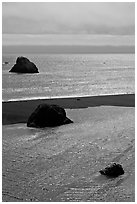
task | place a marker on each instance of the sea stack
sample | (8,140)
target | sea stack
(48,116)
(24,65)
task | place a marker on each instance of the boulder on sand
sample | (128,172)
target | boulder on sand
(23,65)
(48,116)
(113,170)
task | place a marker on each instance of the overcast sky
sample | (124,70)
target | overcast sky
(68,18)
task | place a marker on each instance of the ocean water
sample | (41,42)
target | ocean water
(69,75)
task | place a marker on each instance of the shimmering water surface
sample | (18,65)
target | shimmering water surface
(70,75)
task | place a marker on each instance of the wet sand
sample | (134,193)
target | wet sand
(63,163)
(18,111)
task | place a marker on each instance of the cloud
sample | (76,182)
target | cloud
(68,18)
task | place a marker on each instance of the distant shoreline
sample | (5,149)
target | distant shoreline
(67,49)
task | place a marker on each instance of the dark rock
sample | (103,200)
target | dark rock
(48,116)
(6,62)
(113,170)
(23,65)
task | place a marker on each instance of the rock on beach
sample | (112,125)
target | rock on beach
(48,116)
(113,170)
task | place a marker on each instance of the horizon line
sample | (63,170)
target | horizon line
(67,49)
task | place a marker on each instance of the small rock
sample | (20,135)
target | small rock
(6,62)
(113,170)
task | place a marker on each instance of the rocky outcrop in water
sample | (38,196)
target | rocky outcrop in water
(48,116)
(6,62)
(113,170)
(23,65)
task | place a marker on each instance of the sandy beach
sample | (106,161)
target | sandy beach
(62,163)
